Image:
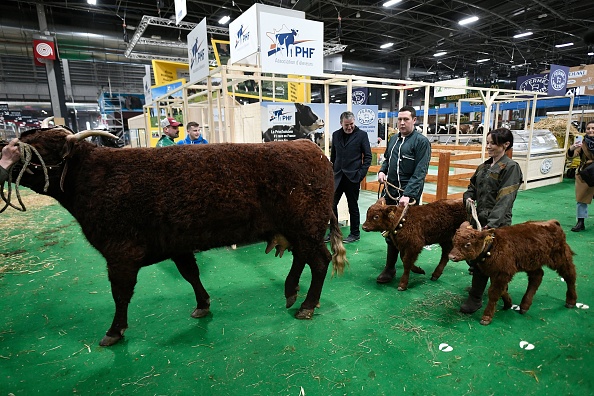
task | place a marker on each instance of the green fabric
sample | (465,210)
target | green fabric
(494,188)
(165,141)
(406,164)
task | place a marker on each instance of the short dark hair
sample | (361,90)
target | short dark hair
(413,112)
(502,135)
(347,115)
(192,124)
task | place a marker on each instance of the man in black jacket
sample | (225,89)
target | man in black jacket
(351,158)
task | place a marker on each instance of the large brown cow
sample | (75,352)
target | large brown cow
(422,225)
(502,252)
(140,206)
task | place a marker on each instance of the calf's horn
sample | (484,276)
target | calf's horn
(45,122)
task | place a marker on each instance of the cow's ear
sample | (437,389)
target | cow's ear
(391,215)
(466,224)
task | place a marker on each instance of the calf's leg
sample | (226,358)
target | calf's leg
(409,257)
(534,281)
(389,271)
(446,247)
(187,267)
(122,277)
(475,295)
(567,272)
(498,286)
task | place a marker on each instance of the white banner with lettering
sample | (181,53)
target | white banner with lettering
(448,91)
(243,35)
(291,45)
(198,52)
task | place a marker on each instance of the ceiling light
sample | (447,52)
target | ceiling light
(224,20)
(387,45)
(523,34)
(358,15)
(590,53)
(483,60)
(385,94)
(564,45)
(442,53)
(468,20)
(92,2)
(391,3)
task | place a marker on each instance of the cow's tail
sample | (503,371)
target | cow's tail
(339,260)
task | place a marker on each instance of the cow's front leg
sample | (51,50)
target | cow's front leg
(507,301)
(409,256)
(123,278)
(534,281)
(187,267)
(498,285)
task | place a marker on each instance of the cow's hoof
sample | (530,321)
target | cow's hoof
(506,307)
(200,312)
(569,305)
(485,320)
(523,311)
(304,314)
(434,278)
(110,340)
(402,288)
(291,300)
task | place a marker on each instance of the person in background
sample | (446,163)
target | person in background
(10,156)
(194,135)
(493,187)
(170,132)
(403,174)
(583,192)
(351,158)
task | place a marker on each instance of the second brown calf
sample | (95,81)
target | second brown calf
(424,225)
(502,252)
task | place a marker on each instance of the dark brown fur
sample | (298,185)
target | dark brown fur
(141,206)
(525,247)
(425,225)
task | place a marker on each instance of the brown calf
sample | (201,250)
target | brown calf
(422,225)
(501,253)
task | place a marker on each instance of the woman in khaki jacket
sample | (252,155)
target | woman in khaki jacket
(583,192)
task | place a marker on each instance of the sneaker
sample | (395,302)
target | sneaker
(351,238)
(327,238)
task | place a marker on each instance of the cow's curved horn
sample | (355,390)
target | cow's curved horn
(85,134)
(45,122)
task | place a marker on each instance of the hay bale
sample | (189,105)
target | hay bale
(558,127)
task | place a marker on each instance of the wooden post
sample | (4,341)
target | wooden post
(443,173)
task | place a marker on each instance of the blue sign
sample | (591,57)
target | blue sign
(558,80)
(533,83)
(360,95)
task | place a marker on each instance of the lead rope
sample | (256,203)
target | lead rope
(388,191)
(472,205)
(27,152)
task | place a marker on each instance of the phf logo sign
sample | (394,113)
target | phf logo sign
(291,45)
(281,114)
(242,36)
(198,53)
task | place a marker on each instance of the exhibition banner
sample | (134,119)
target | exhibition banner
(360,95)
(290,121)
(166,71)
(533,83)
(198,52)
(448,91)
(243,36)
(582,77)
(291,45)
(146,84)
(181,10)
(558,77)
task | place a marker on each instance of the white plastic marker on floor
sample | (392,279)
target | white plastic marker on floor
(526,345)
(445,347)
(515,307)
(582,306)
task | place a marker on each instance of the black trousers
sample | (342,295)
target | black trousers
(351,191)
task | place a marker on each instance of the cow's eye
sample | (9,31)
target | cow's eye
(467,245)
(375,217)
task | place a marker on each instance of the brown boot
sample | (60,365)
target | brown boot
(475,295)
(389,271)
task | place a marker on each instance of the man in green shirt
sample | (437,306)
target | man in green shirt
(170,131)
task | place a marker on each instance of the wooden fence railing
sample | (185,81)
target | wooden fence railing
(455,166)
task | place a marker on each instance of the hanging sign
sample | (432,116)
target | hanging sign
(198,52)
(558,80)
